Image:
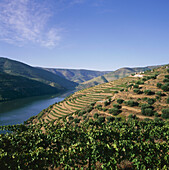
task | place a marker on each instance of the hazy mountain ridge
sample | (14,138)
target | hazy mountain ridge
(77,75)
(20,69)
(114,75)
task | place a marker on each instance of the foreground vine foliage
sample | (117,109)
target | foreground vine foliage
(124,144)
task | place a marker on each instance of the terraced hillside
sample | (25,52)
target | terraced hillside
(129,97)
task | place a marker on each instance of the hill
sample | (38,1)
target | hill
(78,76)
(114,75)
(143,97)
(20,69)
(12,87)
(121,125)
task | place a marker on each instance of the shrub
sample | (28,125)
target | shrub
(144,79)
(139,82)
(145,99)
(96,115)
(156,114)
(106,103)
(147,119)
(151,101)
(159,93)
(168,70)
(131,103)
(168,100)
(147,110)
(158,97)
(104,109)
(154,76)
(99,107)
(165,113)
(130,85)
(92,104)
(101,119)
(110,119)
(115,91)
(91,122)
(120,101)
(148,92)
(136,86)
(165,80)
(159,85)
(76,120)
(131,116)
(117,106)
(121,90)
(89,109)
(118,118)
(137,91)
(84,117)
(167,76)
(114,111)
(157,119)
(165,87)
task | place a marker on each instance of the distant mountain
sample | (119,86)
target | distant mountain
(114,75)
(13,87)
(77,75)
(20,69)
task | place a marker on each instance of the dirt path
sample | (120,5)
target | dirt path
(131,108)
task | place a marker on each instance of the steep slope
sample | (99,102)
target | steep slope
(12,87)
(20,69)
(132,97)
(114,75)
(76,75)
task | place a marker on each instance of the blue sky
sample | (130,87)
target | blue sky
(88,34)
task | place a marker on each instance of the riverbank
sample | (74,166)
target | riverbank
(19,110)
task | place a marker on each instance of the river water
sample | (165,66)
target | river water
(18,111)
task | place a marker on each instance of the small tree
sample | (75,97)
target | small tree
(117,106)
(110,119)
(168,70)
(101,119)
(131,116)
(131,103)
(150,101)
(120,101)
(168,100)
(149,92)
(165,87)
(159,85)
(106,103)
(76,120)
(165,80)
(147,110)
(96,115)
(137,91)
(165,113)
(167,76)
(159,93)
(114,111)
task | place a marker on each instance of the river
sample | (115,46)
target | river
(18,111)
